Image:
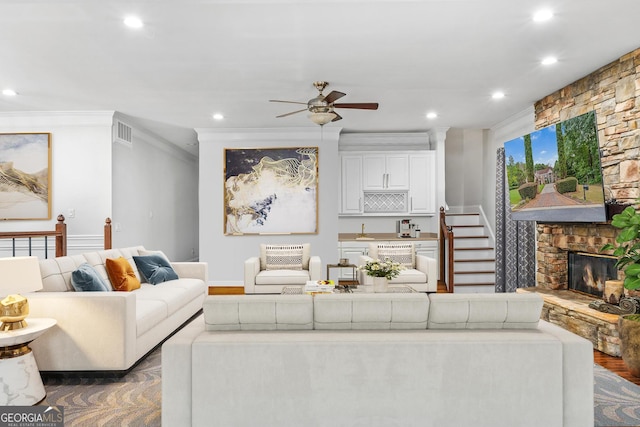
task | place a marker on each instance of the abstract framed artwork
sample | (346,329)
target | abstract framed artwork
(25,176)
(271,190)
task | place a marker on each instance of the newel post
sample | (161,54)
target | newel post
(107,234)
(61,237)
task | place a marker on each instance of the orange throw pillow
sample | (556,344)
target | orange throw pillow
(121,274)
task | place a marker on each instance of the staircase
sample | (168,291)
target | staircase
(474,258)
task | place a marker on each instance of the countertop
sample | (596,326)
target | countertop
(424,237)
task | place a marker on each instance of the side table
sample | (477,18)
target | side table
(352,266)
(20,378)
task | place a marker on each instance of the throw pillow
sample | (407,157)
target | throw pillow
(145,252)
(283,257)
(401,253)
(155,268)
(87,279)
(121,274)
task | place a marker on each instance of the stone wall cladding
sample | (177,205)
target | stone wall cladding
(613,91)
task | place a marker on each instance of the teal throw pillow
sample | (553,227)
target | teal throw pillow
(87,279)
(155,268)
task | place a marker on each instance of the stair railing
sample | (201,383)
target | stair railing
(59,233)
(446,253)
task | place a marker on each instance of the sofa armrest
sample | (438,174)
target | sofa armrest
(251,270)
(94,330)
(428,266)
(177,374)
(363,278)
(577,375)
(192,270)
(315,268)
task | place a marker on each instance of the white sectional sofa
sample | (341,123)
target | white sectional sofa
(376,360)
(110,331)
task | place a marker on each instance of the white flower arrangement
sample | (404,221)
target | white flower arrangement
(377,268)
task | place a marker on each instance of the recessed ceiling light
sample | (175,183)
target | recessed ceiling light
(497,95)
(432,115)
(218,116)
(133,22)
(542,15)
(549,60)
(9,92)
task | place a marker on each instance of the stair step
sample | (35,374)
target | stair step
(475,284)
(473,254)
(467,230)
(462,219)
(473,279)
(470,242)
(475,272)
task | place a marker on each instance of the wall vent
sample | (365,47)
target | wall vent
(122,133)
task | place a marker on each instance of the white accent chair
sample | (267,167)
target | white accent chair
(271,271)
(421,273)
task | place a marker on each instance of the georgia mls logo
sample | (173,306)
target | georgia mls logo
(31,416)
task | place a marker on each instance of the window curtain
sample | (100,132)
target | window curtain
(515,240)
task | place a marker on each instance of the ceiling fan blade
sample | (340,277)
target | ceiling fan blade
(359,105)
(333,96)
(337,117)
(288,102)
(293,112)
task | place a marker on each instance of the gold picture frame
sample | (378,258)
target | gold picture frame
(25,176)
(270,190)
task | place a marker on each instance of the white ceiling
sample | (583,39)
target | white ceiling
(197,57)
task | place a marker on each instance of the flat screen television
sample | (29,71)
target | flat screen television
(554,173)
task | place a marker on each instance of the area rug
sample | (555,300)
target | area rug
(616,400)
(135,399)
(132,400)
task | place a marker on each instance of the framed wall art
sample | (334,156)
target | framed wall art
(271,190)
(25,176)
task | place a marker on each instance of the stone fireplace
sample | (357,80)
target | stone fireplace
(555,241)
(613,91)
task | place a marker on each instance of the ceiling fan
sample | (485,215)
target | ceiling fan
(321,108)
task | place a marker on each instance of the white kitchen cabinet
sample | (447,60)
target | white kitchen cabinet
(385,172)
(388,183)
(422,194)
(351,197)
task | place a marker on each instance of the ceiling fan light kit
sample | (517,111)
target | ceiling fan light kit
(321,107)
(321,118)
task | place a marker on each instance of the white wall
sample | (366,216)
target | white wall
(95,179)
(226,254)
(465,172)
(80,172)
(155,195)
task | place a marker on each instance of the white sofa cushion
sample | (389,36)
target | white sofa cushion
(282,277)
(370,311)
(258,312)
(174,294)
(484,311)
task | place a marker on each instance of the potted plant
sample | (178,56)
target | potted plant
(382,272)
(627,249)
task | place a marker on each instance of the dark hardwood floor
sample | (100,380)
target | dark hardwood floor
(614,364)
